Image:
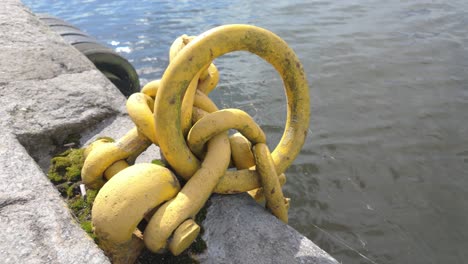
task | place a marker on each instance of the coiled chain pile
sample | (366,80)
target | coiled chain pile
(176,114)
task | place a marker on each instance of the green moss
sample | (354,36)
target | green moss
(80,208)
(66,166)
(90,196)
(82,211)
(70,191)
(63,188)
(65,173)
(88,227)
(158,162)
(107,139)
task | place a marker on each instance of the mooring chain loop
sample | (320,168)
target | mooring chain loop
(201,51)
(105,157)
(140,109)
(223,120)
(220,121)
(176,114)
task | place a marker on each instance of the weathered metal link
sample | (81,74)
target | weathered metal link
(270,183)
(140,109)
(209,83)
(219,121)
(103,156)
(241,151)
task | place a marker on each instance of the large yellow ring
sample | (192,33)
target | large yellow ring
(201,51)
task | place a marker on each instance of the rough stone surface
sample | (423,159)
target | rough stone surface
(238,230)
(35,225)
(42,113)
(34,51)
(49,91)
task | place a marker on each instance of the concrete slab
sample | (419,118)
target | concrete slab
(43,112)
(239,230)
(35,224)
(32,50)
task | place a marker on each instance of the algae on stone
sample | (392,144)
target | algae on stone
(65,174)
(66,167)
(159,162)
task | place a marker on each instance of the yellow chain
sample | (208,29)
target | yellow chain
(163,113)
